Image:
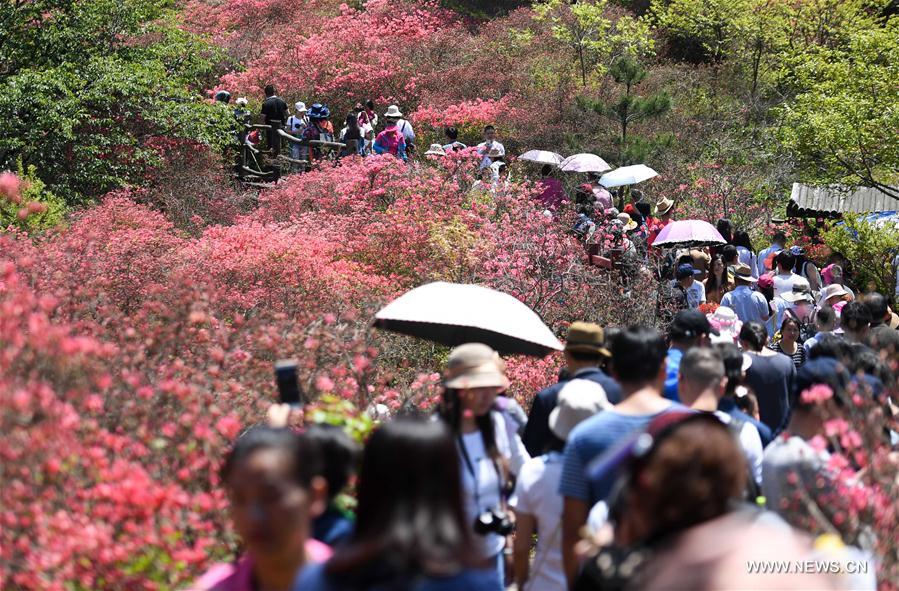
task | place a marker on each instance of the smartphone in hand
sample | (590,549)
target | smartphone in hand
(288,382)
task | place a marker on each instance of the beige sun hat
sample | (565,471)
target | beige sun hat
(474,365)
(579,399)
(435,150)
(664,206)
(834,289)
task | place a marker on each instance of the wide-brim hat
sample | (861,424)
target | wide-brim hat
(744,273)
(834,289)
(578,400)
(586,337)
(664,205)
(435,150)
(797,296)
(628,221)
(474,365)
(393,112)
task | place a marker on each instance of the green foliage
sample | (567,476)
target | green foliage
(89,89)
(842,127)
(630,108)
(870,247)
(706,29)
(33,191)
(585,28)
(332,410)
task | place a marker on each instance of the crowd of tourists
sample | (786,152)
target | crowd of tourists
(657,460)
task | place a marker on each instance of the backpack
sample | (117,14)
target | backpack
(391,139)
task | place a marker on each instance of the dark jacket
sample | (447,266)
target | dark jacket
(274,109)
(536,432)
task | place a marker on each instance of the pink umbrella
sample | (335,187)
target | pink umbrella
(584,163)
(689,233)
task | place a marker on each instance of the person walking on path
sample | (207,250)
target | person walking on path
(585,351)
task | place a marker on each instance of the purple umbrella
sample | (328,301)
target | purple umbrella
(584,163)
(688,233)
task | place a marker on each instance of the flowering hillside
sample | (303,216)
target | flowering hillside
(145,293)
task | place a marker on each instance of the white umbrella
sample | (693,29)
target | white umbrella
(584,163)
(542,157)
(627,175)
(454,313)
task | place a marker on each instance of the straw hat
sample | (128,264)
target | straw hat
(664,206)
(742,272)
(393,112)
(435,150)
(474,365)
(586,337)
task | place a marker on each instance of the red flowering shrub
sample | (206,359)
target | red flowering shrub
(148,349)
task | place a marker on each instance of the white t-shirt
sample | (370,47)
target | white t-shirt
(784,282)
(695,293)
(481,491)
(537,494)
(750,441)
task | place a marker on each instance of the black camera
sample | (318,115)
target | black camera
(495,521)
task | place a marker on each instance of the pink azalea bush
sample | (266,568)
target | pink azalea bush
(132,352)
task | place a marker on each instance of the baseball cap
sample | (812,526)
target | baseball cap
(686,270)
(688,324)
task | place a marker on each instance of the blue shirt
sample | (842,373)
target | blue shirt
(332,527)
(314,578)
(672,367)
(587,441)
(750,306)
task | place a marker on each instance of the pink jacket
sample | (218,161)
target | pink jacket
(238,576)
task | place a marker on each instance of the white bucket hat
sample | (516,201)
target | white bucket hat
(578,400)
(435,150)
(393,111)
(300,107)
(241,101)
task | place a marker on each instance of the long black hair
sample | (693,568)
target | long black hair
(410,519)
(712,283)
(450,411)
(741,238)
(733,365)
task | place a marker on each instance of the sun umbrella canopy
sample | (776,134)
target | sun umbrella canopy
(627,175)
(542,157)
(689,233)
(453,314)
(584,163)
